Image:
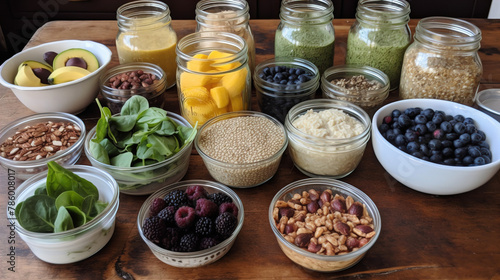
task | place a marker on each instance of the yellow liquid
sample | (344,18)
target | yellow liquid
(157,47)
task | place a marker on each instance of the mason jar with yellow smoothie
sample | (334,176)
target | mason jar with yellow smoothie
(145,35)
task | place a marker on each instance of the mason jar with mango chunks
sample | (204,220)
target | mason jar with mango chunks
(213,76)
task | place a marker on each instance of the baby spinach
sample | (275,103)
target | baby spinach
(66,201)
(139,136)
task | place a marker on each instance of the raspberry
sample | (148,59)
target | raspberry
(219,198)
(156,206)
(208,242)
(189,242)
(225,224)
(204,226)
(228,207)
(206,208)
(171,238)
(168,214)
(154,228)
(176,198)
(196,192)
(184,217)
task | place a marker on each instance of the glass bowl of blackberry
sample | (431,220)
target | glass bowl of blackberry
(436,146)
(281,83)
(191,223)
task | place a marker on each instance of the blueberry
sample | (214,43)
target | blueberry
(437,118)
(435,144)
(390,136)
(468,160)
(459,118)
(470,128)
(451,136)
(400,140)
(299,71)
(468,121)
(448,152)
(460,152)
(465,138)
(436,158)
(439,134)
(476,138)
(428,113)
(404,120)
(278,77)
(266,71)
(303,78)
(411,135)
(485,151)
(459,128)
(457,143)
(447,143)
(446,127)
(479,161)
(487,159)
(425,150)
(412,147)
(396,113)
(418,154)
(448,117)
(421,129)
(292,77)
(431,126)
(450,161)
(474,151)
(283,82)
(412,112)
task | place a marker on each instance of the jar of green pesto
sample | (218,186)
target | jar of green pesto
(306,31)
(380,36)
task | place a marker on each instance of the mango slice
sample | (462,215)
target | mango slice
(220,59)
(235,82)
(220,96)
(236,103)
(199,65)
(189,80)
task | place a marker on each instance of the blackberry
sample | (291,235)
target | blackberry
(171,238)
(208,242)
(154,229)
(176,198)
(168,214)
(225,224)
(204,226)
(219,198)
(189,242)
(156,206)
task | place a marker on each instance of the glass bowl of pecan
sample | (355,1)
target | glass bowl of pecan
(364,86)
(29,143)
(324,224)
(121,82)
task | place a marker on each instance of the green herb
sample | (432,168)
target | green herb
(139,136)
(65,202)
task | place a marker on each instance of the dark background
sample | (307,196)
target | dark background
(19,19)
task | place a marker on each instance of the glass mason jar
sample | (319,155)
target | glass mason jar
(442,62)
(306,31)
(380,36)
(213,76)
(228,16)
(145,35)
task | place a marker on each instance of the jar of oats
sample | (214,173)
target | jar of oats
(442,62)
(228,16)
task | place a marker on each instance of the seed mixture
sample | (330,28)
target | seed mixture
(40,140)
(357,85)
(242,140)
(328,124)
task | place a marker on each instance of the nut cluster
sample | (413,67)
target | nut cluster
(132,80)
(41,140)
(324,224)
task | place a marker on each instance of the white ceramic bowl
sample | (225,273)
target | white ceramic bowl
(71,97)
(79,243)
(428,177)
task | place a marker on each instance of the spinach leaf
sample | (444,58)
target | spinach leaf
(41,190)
(187,134)
(60,180)
(77,216)
(111,149)
(122,160)
(69,198)
(134,106)
(88,207)
(63,220)
(99,152)
(152,116)
(103,129)
(99,206)
(166,128)
(123,123)
(37,213)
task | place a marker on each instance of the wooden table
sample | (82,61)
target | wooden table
(423,236)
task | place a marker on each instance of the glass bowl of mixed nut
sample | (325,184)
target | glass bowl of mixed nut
(323,224)
(121,82)
(29,143)
(364,86)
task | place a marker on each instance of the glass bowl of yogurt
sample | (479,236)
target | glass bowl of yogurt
(80,242)
(327,138)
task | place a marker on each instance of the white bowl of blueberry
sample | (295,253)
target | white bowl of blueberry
(435,146)
(191,223)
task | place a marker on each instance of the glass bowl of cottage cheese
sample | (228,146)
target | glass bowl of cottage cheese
(327,138)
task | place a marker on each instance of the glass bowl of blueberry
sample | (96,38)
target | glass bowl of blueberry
(281,83)
(191,223)
(436,146)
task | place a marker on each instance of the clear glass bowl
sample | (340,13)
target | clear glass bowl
(115,98)
(25,169)
(320,157)
(275,99)
(241,175)
(147,179)
(368,100)
(313,261)
(198,258)
(78,243)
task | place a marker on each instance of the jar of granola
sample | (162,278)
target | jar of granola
(228,16)
(442,62)
(380,36)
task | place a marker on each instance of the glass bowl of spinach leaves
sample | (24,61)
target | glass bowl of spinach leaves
(66,214)
(144,148)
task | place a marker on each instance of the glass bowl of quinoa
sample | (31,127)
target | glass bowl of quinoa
(242,149)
